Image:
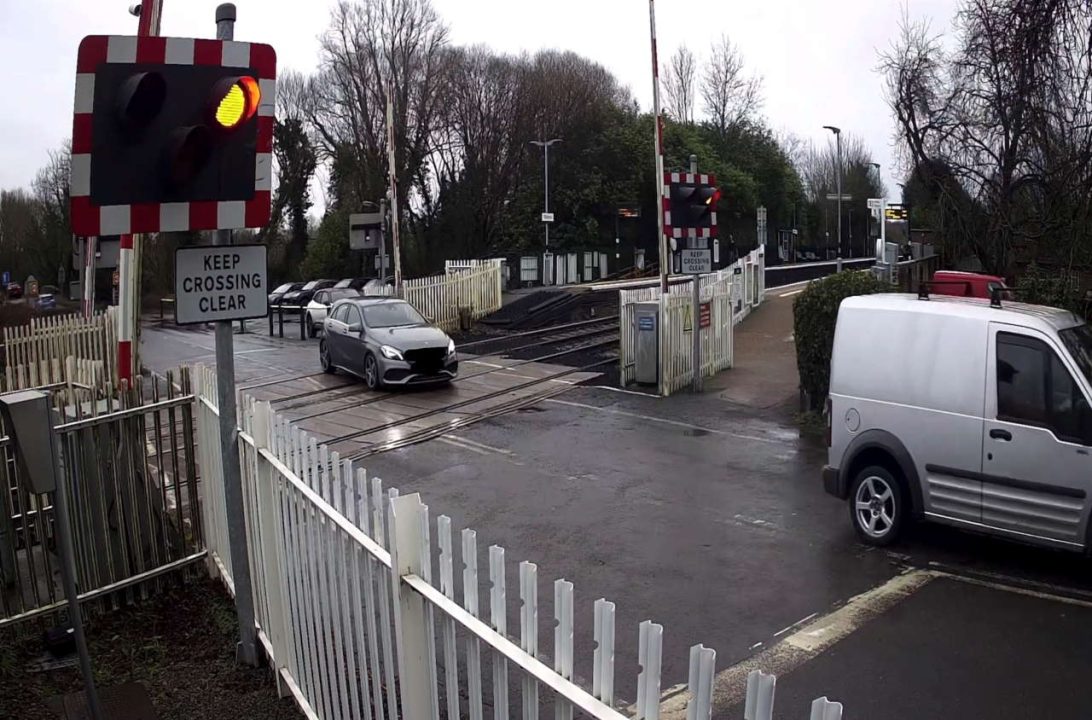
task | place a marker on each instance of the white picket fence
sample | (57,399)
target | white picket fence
(38,353)
(732,293)
(474,291)
(354,624)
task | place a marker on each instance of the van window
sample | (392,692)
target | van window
(1035,388)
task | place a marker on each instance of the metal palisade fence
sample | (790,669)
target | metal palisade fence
(128,461)
(729,295)
(356,625)
(35,354)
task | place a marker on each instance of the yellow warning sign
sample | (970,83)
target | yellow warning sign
(688,320)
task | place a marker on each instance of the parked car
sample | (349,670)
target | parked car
(280,291)
(354,283)
(386,341)
(320,304)
(46,301)
(303,296)
(960,412)
(966,284)
(15,291)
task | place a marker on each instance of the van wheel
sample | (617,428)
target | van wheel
(877,506)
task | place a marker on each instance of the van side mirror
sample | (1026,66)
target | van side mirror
(1084,420)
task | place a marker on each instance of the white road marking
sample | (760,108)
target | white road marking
(484,363)
(665,421)
(794,292)
(624,391)
(814,636)
(730,684)
(480,446)
(452,440)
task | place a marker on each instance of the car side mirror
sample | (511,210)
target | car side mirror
(356,328)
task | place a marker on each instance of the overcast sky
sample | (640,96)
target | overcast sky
(817,59)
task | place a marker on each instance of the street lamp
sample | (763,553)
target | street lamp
(545,145)
(838,142)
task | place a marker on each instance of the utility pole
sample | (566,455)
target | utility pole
(838,143)
(392,167)
(695,320)
(545,145)
(229,438)
(665,250)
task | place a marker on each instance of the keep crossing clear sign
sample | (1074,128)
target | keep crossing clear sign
(220,282)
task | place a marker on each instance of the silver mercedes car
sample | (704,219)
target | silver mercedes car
(386,341)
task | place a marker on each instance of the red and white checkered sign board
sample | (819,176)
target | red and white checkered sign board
(90,219)
(675,178)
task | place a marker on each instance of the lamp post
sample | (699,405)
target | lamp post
(879,180)
(838,143)
(545,145)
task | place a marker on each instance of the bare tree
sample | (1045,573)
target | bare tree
(729,94)
(998,133)
(680,84)
(375,49)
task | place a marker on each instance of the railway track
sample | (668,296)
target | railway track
(357,401)
(562,340)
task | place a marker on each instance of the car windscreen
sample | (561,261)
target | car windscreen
(1078,340)
(311,285)
(342,293)
(283,288)
(385,315)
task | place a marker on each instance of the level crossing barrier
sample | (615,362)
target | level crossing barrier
(356,624)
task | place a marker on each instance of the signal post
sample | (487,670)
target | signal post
(174,135)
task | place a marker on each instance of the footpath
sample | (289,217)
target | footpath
(764,375)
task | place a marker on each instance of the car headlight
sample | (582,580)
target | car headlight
(391,353)
(450,348)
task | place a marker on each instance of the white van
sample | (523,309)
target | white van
(963,412)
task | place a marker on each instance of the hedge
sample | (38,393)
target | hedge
(815,312)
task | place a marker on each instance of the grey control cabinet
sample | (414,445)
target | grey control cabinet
(647,317)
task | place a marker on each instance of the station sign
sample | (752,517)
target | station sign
(220,282)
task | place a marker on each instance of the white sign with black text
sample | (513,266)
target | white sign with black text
(220,282)
(696,261)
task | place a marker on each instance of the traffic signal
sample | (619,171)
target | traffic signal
(171,134)
(692,205)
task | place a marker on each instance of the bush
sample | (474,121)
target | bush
(1038,287)
(815,312)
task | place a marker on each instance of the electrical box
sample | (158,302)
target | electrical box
(647,315)
(28,420)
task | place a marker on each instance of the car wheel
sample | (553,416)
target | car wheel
(324,358)
(371,373)
(310,326)
(877,506)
